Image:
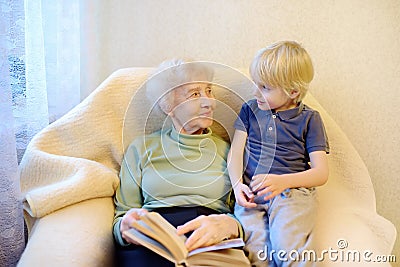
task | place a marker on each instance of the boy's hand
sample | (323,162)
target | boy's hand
(269,185)
(244,196)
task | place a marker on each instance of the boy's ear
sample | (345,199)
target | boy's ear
(294,93)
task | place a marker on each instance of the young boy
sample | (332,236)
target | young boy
(278,157)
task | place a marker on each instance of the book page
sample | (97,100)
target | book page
(157,219)
(144,228)
(150,244)
(166,234)
(225,257)
(230,243)
(158,234)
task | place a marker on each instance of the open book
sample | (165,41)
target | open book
(158,235)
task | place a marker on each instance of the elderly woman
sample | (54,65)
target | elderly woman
(179,172)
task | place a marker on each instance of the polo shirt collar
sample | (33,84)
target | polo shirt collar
(290,113)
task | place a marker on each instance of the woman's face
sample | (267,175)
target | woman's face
(193,107)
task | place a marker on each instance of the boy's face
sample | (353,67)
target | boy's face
(273,98)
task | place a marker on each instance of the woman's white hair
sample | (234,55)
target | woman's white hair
(169,75)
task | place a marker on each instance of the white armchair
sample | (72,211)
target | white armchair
(70,171)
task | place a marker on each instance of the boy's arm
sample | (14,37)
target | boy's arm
(235,157)
(316,176)
(275,184)
(235,168)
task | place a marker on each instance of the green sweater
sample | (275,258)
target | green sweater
(166,169)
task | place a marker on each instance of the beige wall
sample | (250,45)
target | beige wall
(354,44)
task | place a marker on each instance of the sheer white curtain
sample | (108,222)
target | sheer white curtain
(39,82)
(11,222)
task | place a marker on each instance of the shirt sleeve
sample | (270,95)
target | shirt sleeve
(316,139)
(242,122)
(128,194)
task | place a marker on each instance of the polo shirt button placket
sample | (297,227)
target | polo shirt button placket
(270,128)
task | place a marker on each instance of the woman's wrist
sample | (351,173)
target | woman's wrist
(234,226)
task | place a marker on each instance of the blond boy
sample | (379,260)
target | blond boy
(278,157)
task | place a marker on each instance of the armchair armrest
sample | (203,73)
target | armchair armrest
(77,235)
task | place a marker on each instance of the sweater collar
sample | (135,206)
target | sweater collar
(191,139)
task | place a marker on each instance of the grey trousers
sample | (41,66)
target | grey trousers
(277,231)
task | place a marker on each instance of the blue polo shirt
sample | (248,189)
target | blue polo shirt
(280,142)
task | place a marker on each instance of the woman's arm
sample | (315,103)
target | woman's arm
(128,197)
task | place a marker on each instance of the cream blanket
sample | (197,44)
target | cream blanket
(70,171)
(78,157)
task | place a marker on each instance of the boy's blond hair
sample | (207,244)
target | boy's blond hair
(285,65)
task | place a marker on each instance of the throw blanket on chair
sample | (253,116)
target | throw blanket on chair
(78,156)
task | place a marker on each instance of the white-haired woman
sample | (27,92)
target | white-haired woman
(179,172)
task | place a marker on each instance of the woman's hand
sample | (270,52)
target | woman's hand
(244,196)
(131,216)
(209,230)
